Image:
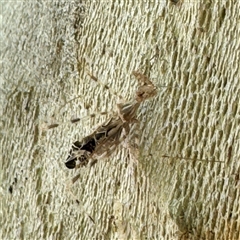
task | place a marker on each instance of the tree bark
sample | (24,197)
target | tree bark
(176,176)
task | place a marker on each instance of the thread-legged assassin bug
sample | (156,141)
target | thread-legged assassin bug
(104,140)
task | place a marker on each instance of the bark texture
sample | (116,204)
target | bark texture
(183,179)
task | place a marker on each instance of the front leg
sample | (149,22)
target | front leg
(147,90)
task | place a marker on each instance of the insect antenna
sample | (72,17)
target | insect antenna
(105,86)
(192,159)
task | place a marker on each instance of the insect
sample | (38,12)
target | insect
(104,140)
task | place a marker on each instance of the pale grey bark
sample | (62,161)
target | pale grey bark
(190,50)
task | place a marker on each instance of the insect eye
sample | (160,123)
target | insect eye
(71,163)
